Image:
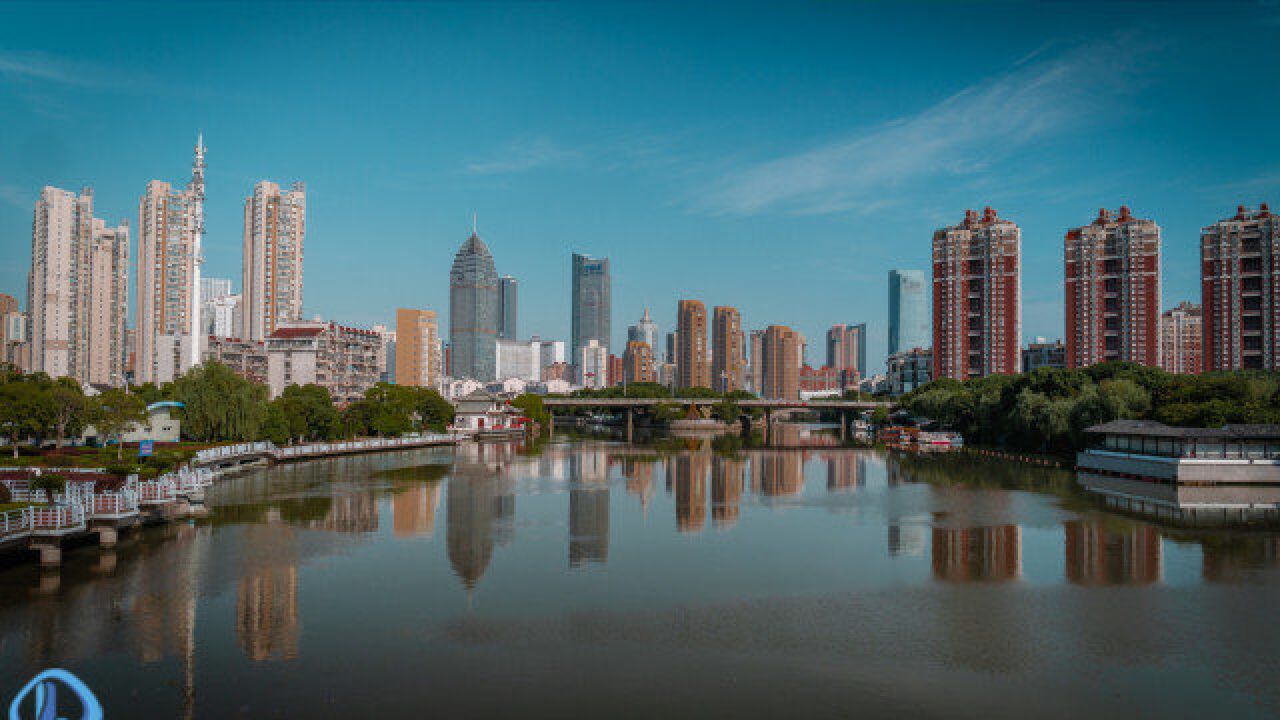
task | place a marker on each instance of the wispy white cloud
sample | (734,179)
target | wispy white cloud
(13,194)
(964,134)
(522,156)
(41,67)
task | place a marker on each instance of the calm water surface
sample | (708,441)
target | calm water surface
(603,579)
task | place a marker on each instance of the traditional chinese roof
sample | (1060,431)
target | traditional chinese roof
(1151,428)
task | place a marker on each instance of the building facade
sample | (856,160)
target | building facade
(977,297)
(693,368)
(1044,354)
(167,317)
(756,363)
(247,358)
(13,333)
(592,362)
(1181,341)
(473,311)
(342,359)
(908,370)
(77,290)
(847,348)
(1240,286)
(908,311)
(728,354)
(275,231)
(645,331)
(591,303)
(417,353)
(782,348)
(1113,290)
(508,307)
(638,363)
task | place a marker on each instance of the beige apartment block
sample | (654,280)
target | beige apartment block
(275,230)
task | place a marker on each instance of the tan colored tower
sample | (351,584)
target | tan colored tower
(417,340)
(638,362)
(781,372)
(275,229)
(77,290)
(692,368)
(727,351)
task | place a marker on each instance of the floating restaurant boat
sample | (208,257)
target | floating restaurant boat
(1196,476)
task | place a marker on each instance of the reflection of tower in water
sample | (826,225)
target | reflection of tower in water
(350,513)
(981,553)
(267,622)
(906,540)
(687,476)
(413,510)
(845,471)
(727,478)
(588,525)
(1238,559)
(1099,555)
(639,480)
(480,513)
(778,472)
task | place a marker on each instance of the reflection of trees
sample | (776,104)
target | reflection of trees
(1233,559)
(960,468)
(981,553)
(687,476)
(727,478)
(1111,552)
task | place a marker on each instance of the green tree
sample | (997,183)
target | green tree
(308,412)
(114,412)
(533,408)
(66,408)
(21,411)
(434,412)
(220,405)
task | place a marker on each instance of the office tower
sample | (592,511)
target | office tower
(847,348)
(638,362)
(1181,338)
(907,370)
(1240,284)
(757,361)
(645,331)
(417,356)
(908,311)
(275,230)
(1113,290)
(77,290)
(550,352)
(592,302)
(692,366)
(593,364)
(523,359)
(673,348)
(221,309)
(170,231)
(780,374)
(727,352)
(473,311)
(1042,353)
(977,297)
(508,307)
(212,287)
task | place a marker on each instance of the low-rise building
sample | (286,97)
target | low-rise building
(342,359)
(909,369)
(248,359)
(1043,353)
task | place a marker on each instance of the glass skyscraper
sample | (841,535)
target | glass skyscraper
(508,301)
(473,311)
(592,301)
(908,311)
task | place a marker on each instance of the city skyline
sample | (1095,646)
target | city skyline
(683,187)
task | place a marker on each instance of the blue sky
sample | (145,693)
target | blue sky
(780,158)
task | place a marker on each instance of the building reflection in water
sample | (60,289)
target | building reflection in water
(413,510)
(728,475)
(479,514)
(1111,552)
(991,554)
(1240,558)
(845,472)
(687,478)
(589,508)
(350,513)
(639,474)
(906,540)
(267,622)
(778,473)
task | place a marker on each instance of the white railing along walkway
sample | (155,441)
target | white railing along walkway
(15,522)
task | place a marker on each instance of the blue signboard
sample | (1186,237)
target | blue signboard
(146,447)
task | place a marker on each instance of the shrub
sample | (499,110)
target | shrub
(121,469)
(5,495)
(50,482)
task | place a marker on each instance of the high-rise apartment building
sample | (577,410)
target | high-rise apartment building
(508,307)
(417,353)
(170,232)
(221,309)
(592,361)
(592,302)
(473,311)
(1182,335)
(13,330)
(645,331)
(1113,290)
(908,311)
(757,362)
(638,363)
(275,231)
(977,297)
(693,368)
(1240,285)
(728,356)
(847,348)
(77,290)
(780,377)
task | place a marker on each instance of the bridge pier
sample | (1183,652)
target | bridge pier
(844,427)
(50,552)
(107,537)
(768,425)
(630,424)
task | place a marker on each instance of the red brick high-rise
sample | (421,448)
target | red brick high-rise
(1113,290)
(977,297)
(1240,285)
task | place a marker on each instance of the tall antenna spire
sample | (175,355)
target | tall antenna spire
(473,223)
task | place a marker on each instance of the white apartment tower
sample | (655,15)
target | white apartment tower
(275,228)
(77,290)
(170,231)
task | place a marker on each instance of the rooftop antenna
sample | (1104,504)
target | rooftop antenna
(473,223)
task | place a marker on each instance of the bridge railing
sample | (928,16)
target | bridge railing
(15,522)
(229,451)
(57,517)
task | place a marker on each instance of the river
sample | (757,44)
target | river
(680,580)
